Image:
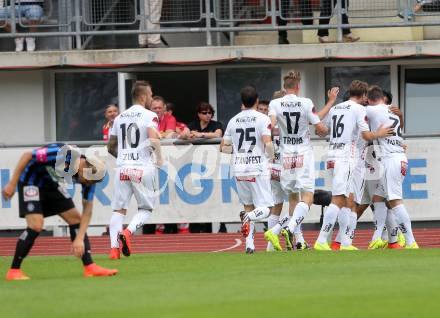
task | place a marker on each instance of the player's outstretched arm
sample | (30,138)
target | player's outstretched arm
(321,130)
(332,95)
(112,146)
(381,132)
(86,216)
(9,189)
(154,138)
(268,147)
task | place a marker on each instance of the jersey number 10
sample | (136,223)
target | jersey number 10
(127,135)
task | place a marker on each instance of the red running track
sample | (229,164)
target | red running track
(175,243)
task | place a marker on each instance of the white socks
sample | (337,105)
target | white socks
(258,214)
(272,220)
(392,227)
(115,227)
(328,223)
(276,229)
(299,238)
(353,225)
(404,222)
(250,237)
(380,216)
(298,216)
(138,220)
(344,226)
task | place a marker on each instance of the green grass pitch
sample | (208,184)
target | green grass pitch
(305,284)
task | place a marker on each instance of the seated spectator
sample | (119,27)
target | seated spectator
(203,126)
(182,130)
(167,122)
(426,5)
(263,107)
(32,10)
(111,112)
(324,19)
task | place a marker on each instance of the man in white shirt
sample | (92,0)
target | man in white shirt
(391,154)
(248,138)
(135,141)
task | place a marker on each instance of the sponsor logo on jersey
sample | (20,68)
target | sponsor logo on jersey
(133,175)
(246,178)
(292,140)
(30,207)
(247,160)
(31,193)
(41,155)
(246,119)
(293,162)
(330,164)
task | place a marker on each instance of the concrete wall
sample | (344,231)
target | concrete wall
(22,107)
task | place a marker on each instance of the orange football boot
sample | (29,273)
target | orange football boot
(125,239)
(395,246)
(93,270)
(114,253)
(16,274)
(335,246)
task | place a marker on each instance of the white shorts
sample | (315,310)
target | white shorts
(390,185)
(301,174)
(362,186)
(140,181)
(278,194)
(254,191)
(340,173)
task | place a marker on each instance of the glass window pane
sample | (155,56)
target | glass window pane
(422,99)
(342,76)
(231,80)
(80,103)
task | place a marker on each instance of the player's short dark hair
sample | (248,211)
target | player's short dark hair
(249,96)
(388,96)
(159,98)
(375,93)
(291,79)
(263,102)
(358,89)
(139,88)
(170,107)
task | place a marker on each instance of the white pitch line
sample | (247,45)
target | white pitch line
(237,244)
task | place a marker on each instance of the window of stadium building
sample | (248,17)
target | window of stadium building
(81,99)
(231,80)
(422,86)
(343,75)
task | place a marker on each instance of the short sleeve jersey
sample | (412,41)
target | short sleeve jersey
(293,116)
(381,115)
(41,171)
(245,131)
(346,121)
(131,128)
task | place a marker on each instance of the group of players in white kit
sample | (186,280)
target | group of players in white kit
(272,156)
(360,175)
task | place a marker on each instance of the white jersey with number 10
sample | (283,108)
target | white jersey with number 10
(293,116)
(131,128)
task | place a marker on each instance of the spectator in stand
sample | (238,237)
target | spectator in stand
(182,130)
(305,8)
(153,11)
(324,19)
(203,126)
(167,122)
(31,10)
(422,5)
(263,107)
(111,112)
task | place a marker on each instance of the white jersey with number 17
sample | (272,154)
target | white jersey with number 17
(131,128)
(245,131)
(293,116)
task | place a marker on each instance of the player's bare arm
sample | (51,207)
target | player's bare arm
(9,189)
(268,147)
(154,138)
(396,111)
(78,243)
(332,95)
(112,146)
(321,130)
(381,132)
(226,146)
(273,121)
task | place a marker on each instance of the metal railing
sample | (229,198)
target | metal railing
(82,19)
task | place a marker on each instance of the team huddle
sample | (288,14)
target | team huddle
(366,163)
(272,157)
